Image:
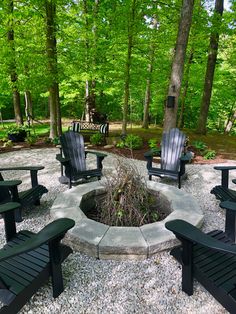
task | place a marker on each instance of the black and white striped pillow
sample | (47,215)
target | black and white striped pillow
(103,128)
(75,126)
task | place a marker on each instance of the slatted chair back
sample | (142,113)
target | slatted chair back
(73,148)
(172,146)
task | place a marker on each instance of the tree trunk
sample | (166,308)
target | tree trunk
(211,63)
(171,110)
(230,123)
(90,85)
(87,102)
(184,93)
(147,100)
(51,50)
(12,64)
(28,108)
(128,65)
(59,124)
(148,82)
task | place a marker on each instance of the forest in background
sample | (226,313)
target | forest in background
(90,52)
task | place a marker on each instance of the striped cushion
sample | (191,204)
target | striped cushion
(103,128)
(75,126)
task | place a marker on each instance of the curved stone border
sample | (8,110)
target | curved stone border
(105,242)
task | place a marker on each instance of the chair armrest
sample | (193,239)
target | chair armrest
(100,157)
(152,153)
(7,207)
(23,168)
(225,174)
(52,231)
(62,160)
(185,230)
(225,167)
(186,157)
(10,183)
(228,205)
(95,153)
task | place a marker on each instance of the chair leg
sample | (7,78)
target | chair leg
(18,215)
(15,198)
(10,225)
(150,177)
(187,268)
(230,224)
(179,182)
(56,271)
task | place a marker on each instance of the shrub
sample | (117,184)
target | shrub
(209,154)
(154,145)
(199,145)
(17,133)
(16,129)
(47,140)
(97,139)
(31,139)
(56,140)
(120,144)
(133,141)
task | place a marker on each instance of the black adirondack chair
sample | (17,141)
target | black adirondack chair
(209,258)
(222,192)
(73,158)
(28,260)
(173,157)
(9,190)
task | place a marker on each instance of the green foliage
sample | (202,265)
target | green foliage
(120,144)
(133,141)
(153,143)
(209,154)
(55,141)
(155,146)
(16,129)
(31,139)
(47,140)
(90,51)
(97,139)
(199,145)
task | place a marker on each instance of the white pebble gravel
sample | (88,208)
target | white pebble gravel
(102,286)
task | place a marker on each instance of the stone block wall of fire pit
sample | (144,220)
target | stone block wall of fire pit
(120,243)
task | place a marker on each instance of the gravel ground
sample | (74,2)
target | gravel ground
(97,286)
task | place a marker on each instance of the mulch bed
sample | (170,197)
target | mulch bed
(124,152)
(139,154)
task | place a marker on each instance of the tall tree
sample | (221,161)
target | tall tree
(130,38)
(149,78)
(210,69)
(91,56)
(230,122)
(170,117)
(12,63)
(51,51)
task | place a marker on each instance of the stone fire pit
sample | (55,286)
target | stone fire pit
(119,243)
